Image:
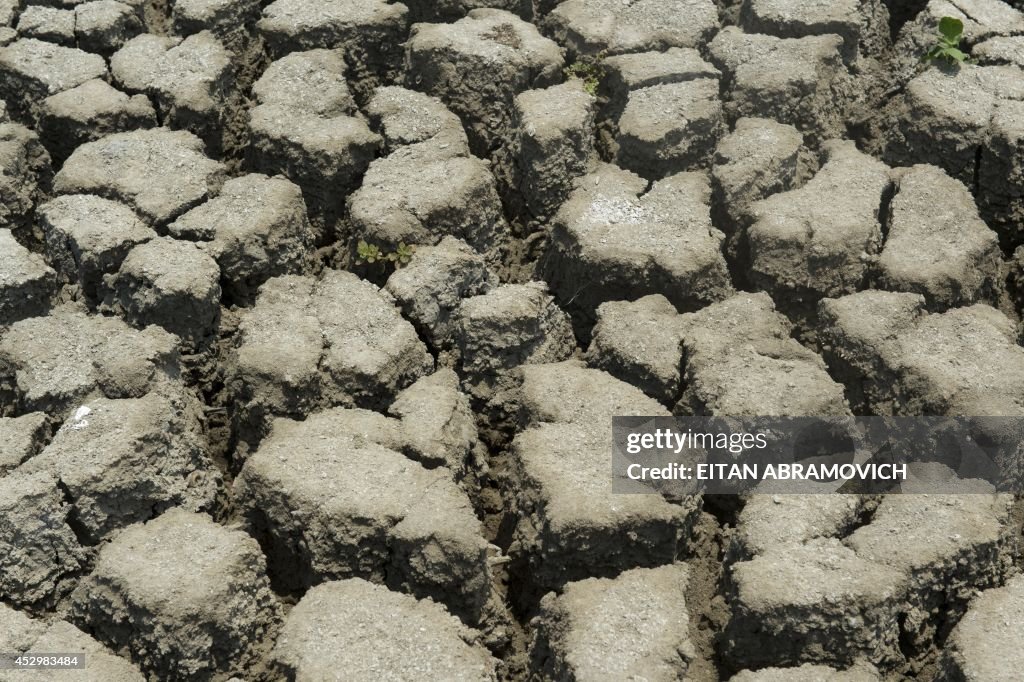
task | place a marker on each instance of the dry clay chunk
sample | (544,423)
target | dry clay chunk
(187,597)
(625,73)
(863,26)
(101,665)
(554,144)
(170,283)
(339,506)
(478,65)
(404,117)
(767,522)
(813,241)
(25,166)
(123,461)
(670,128)
(255,229)
(88,237)
(191,81)
(317,343)
(161,173)
(590,27)
(326,157)
(937,245)
(355,630)
(39,552)
(31,70)
(986,645)
(613,239)
(48,23)
(901,360)
(232,21)
(799,81)
(104,26)
(20,438)
(313,82)
(816,602)
(861,672)
(27,283)
(54,363)
(949,546)
(370,32)
(432,286)
(88,112)
(422,193)
(634,626)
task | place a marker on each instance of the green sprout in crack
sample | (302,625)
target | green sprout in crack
(371,253)
(590,70)
(951,31)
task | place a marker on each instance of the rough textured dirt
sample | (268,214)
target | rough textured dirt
(238,445)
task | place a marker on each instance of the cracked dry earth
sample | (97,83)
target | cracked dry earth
(229,450)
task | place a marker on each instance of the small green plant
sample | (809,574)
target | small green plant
(590,70)
(951,31)
(371,253)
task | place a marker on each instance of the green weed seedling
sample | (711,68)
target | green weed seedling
(951,30)
(371,253)
(590,70)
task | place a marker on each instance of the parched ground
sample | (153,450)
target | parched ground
(314,315)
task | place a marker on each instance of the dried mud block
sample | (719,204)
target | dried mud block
(741,359)
(121,462)
(569,393)
(309,344)
(438,425)
(88,112)
(625,73)
(937,245)
(897,359)
(233,22)
(477,66)
(192,82)
(187,597)
(104,26)
(1001,171)
(17,630)
(326,157)
(88,237)
(433,285)
(509,326)
(634,626)
(9,10)
(614,239)
(405,117)
(25,174)
(170,283)
(371,32)
(816,602)
(255,229)
(54,364)
(799,81)
(102,665)
(861,672)
(949,547)
(31,70)
(21,438)
(863,26)
(817,240)
(760,157)
(1000,50)
(553,144)
(421,194)
(986,643)
(639,342)
(325,636)
(40,554)
(48,23)
(570,524)
(312,82)
(328,505)
(767,522)
(161,173)
(612,27)
(27,283)
(667,129)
